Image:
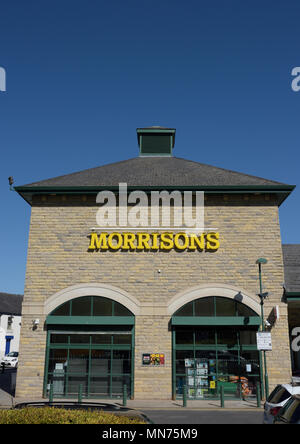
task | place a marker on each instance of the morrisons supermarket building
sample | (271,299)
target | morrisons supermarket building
(153,308)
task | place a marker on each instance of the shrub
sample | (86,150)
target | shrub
(52,415)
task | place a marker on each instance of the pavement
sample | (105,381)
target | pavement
(7,400)
(191,405)
(7,388)
(168,411)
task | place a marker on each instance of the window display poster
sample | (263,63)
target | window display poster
(189,362)
(197,377)
(212,384)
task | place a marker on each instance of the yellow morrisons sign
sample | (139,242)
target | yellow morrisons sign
(154,241)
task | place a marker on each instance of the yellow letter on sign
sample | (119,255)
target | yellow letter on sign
(212,241)
(98,242)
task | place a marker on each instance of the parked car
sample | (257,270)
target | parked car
(278,399)
(290,413)
(11,360)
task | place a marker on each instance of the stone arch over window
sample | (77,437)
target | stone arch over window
(221,290)
(104,290)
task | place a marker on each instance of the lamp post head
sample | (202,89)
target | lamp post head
(262,260)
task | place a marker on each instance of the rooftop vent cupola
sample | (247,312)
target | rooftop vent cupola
(156,141)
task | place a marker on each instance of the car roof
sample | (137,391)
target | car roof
(292,389)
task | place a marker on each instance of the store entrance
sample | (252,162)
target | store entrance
(203,372)
(230,359)
(214,346)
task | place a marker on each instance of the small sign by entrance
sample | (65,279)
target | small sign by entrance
(153,359)
(264,341)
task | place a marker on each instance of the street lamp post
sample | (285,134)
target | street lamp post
(263,296)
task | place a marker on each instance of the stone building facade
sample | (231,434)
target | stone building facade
(152,284)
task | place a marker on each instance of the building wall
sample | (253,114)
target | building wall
(14,331)
(58,258)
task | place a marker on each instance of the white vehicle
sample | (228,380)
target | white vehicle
(11,360)
(290,413)
(278,399)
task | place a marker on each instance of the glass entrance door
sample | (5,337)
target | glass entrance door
(207,358)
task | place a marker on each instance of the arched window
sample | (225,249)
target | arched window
(91,306)
(91,310)
(215,306)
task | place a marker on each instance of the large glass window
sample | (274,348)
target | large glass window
(85,353)
(99,361)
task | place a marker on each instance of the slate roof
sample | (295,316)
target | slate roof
(155,172)
(291,260)
(11,304)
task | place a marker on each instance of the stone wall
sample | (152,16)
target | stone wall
(58,258)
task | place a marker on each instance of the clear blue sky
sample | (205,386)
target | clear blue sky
(83,75)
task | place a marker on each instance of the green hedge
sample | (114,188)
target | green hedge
(52,415)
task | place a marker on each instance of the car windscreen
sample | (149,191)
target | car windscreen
(12,354)
(279,395)
(292,413)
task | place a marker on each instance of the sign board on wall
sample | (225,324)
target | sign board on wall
(264,341)
(153,359)
(154,241)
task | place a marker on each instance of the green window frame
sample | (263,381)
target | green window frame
(209,317)
(90,324)
(215,306)
(86,310)
(87,344)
